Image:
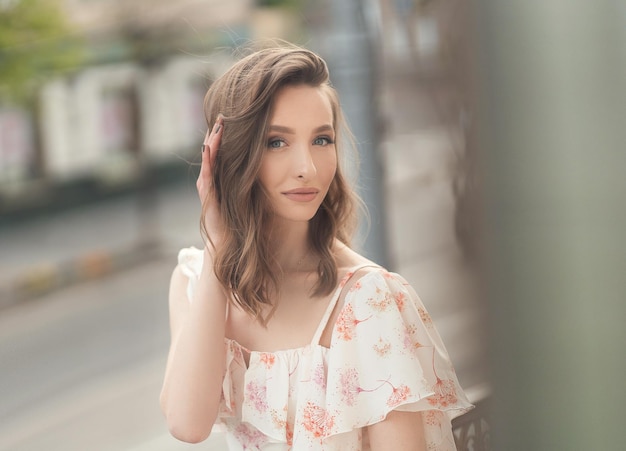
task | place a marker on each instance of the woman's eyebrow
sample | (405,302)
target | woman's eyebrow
(288,130)
(281,129)
(324,128)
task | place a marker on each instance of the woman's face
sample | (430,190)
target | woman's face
(300,159)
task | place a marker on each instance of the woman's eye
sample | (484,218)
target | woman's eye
(322,141)
(275,143)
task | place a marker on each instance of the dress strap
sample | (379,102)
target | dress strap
(333,301)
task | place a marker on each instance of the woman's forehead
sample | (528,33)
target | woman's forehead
(301,104)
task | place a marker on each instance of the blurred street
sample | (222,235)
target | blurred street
(82,366)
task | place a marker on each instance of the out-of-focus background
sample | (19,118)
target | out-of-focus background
(491,142)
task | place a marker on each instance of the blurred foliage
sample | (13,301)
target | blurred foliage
(279,3)
(35,42)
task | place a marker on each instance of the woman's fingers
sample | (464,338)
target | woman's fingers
(214,139)
(205,169)
(210,148)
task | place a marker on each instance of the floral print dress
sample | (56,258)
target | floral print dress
(385,355)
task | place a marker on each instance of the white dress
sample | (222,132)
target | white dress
(385,355)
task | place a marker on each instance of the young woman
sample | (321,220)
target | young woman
(281,333)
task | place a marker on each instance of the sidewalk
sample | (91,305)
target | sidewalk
(43,255)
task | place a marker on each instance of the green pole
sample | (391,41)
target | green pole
(553,89)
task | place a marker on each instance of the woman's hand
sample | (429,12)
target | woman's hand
(210,205)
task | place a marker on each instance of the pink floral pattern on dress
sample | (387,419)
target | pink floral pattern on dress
(315,398)
(347,322)
(251,438)
(257,396)
(268,359)
(279,420)
(349,386)
(432,418)
(426,319)
(380,304)
(317,420)
(410,341)
(382,347)
(319,376)
(445,393)
(398,395)
(400,298)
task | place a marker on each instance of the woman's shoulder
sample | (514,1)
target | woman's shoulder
(348,259)
(364,280)
(354,266)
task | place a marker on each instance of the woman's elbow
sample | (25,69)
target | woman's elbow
(187,428)
(187,434)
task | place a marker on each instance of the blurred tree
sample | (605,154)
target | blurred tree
(288,4)
(35,40)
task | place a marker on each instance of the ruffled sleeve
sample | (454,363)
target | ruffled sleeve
(386,355)
(190,260)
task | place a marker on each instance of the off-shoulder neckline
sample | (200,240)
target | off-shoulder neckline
(314,343)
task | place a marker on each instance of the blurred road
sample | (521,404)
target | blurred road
(82,368)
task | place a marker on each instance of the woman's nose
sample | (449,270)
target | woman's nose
(304,164)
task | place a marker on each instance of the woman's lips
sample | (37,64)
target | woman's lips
(301,194)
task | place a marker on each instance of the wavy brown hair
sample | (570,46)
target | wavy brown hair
(244,262)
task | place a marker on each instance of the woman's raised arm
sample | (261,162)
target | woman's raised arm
(192,386)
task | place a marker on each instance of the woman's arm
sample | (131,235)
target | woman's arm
(192,387)
(400,431)
(195,368)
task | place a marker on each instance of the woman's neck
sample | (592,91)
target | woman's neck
(291,245)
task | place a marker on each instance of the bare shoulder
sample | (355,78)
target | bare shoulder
(348,258)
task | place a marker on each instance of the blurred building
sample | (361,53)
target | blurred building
(105,16)
(137,101)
